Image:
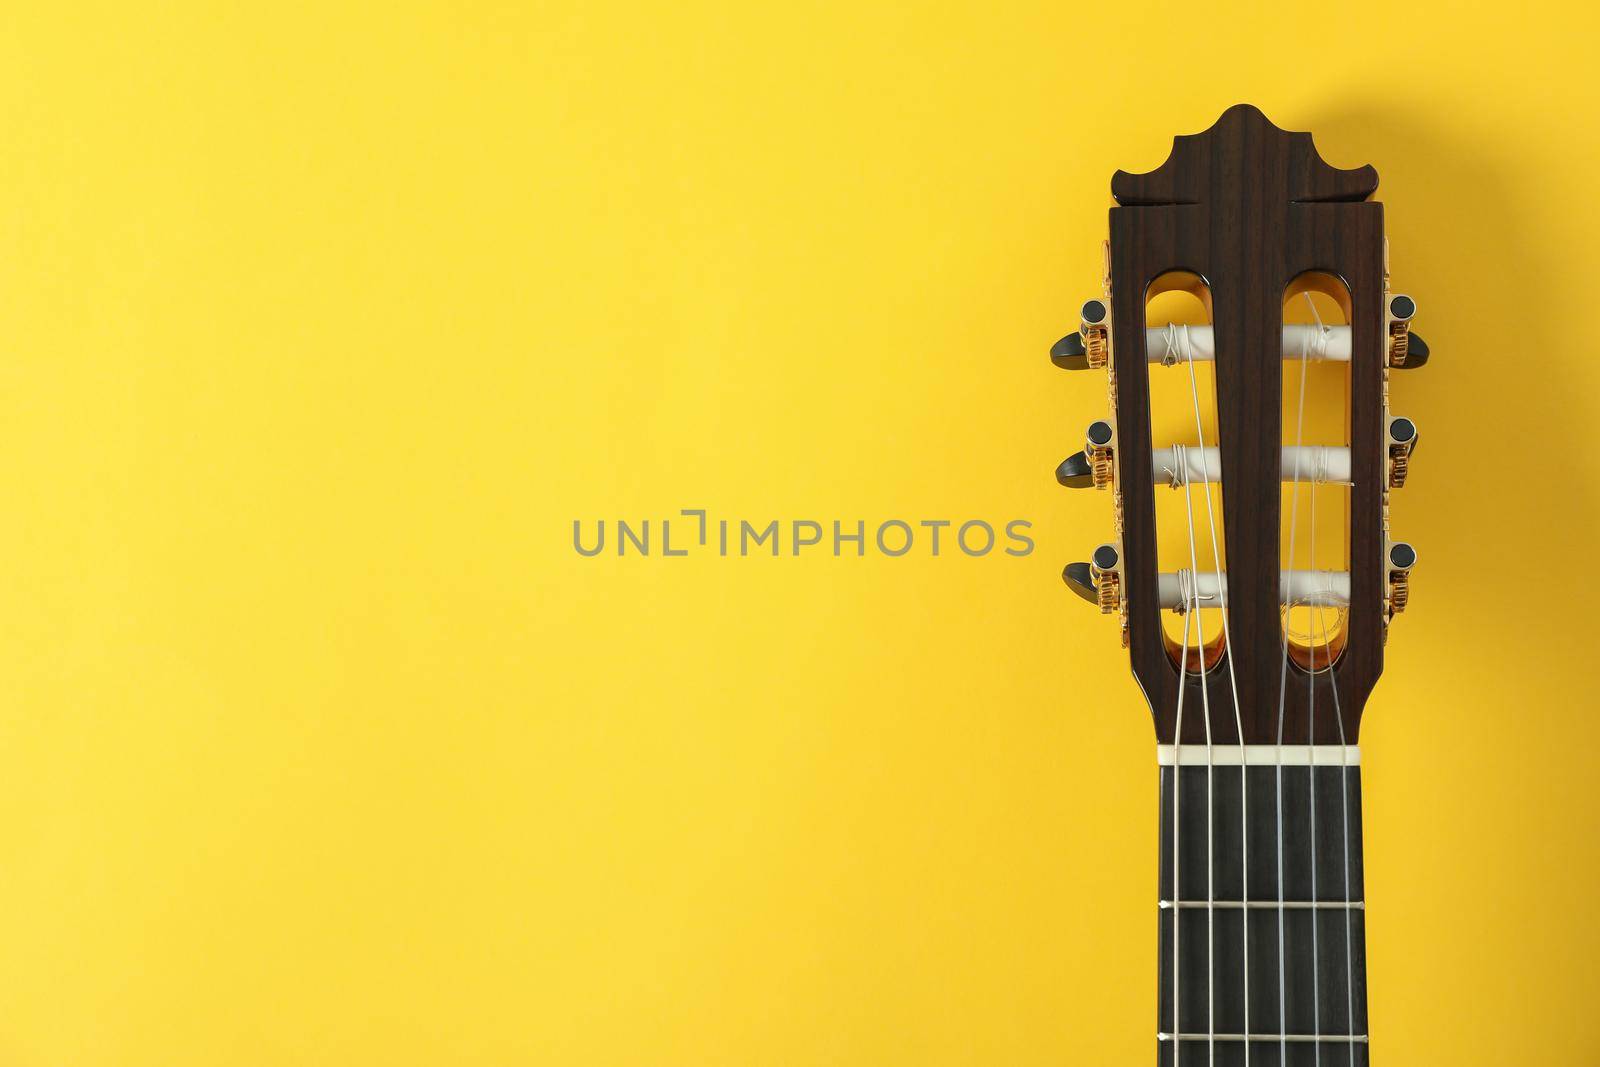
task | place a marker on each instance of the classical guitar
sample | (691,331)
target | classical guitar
(1248,333)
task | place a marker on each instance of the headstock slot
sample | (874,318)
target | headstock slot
(1186,491)
(1314,516)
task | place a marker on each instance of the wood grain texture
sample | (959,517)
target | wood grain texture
(1250,208)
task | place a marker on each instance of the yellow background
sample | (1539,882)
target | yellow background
(319,324)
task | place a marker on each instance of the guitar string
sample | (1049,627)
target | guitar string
(1193,609)
(1311,796)
(1233,681)
(1311,709)
(1177,884)
(1283,680)
(1344,801)
(1189,598)
(1344,774)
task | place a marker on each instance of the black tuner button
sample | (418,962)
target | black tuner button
(1105,557)
(1094,312)
(1404,431)
(1402,307)
(1069,353)
(1402,557)
(1081,581)
(1099,433)
(1416,351)
(1076,472)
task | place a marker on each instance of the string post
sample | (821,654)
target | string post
(1177,471)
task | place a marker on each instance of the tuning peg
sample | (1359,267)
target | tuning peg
(1080,579)
(1401,558)
(1097,581)
(1093,465)
(1086,348)
(1100,582)
(1076,472)
(1068,353)
(1402,446)
(1400,310)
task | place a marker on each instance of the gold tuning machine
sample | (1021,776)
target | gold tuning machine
(1398,313)
(1400,558)
(1100,580)
(1097,447)
(1094,466)
(1105,567)
(1402,442)
(1088,347)
(1095,327)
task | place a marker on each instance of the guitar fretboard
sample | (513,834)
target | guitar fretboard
(1263,928)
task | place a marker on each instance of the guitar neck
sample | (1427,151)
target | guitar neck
(1243,244)
(1263,940)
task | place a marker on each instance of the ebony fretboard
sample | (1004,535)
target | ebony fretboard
(1309,1010)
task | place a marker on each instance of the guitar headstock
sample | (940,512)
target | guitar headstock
(1247,332)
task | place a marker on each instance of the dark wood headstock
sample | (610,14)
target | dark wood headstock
(1243,211)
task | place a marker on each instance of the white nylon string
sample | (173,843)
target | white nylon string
(1317,635)
(1211,807)
(1344,776)
(1179,346)
(1177,796)
(1344,806)
(1311,791)
(1233,681)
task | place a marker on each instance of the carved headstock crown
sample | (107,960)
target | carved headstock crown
(1275,645)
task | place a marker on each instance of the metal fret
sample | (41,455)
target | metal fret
(1265,905)
(1266,958)
(1341,1039)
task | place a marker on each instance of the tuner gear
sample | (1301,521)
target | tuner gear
(1097,440)
(1399,311)
(1110,593)
(1093,466)
(1401,557)
(1416,352)
(1103,565)
(1399,592)
(1098,581)
(1096,319)
(1402,445)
